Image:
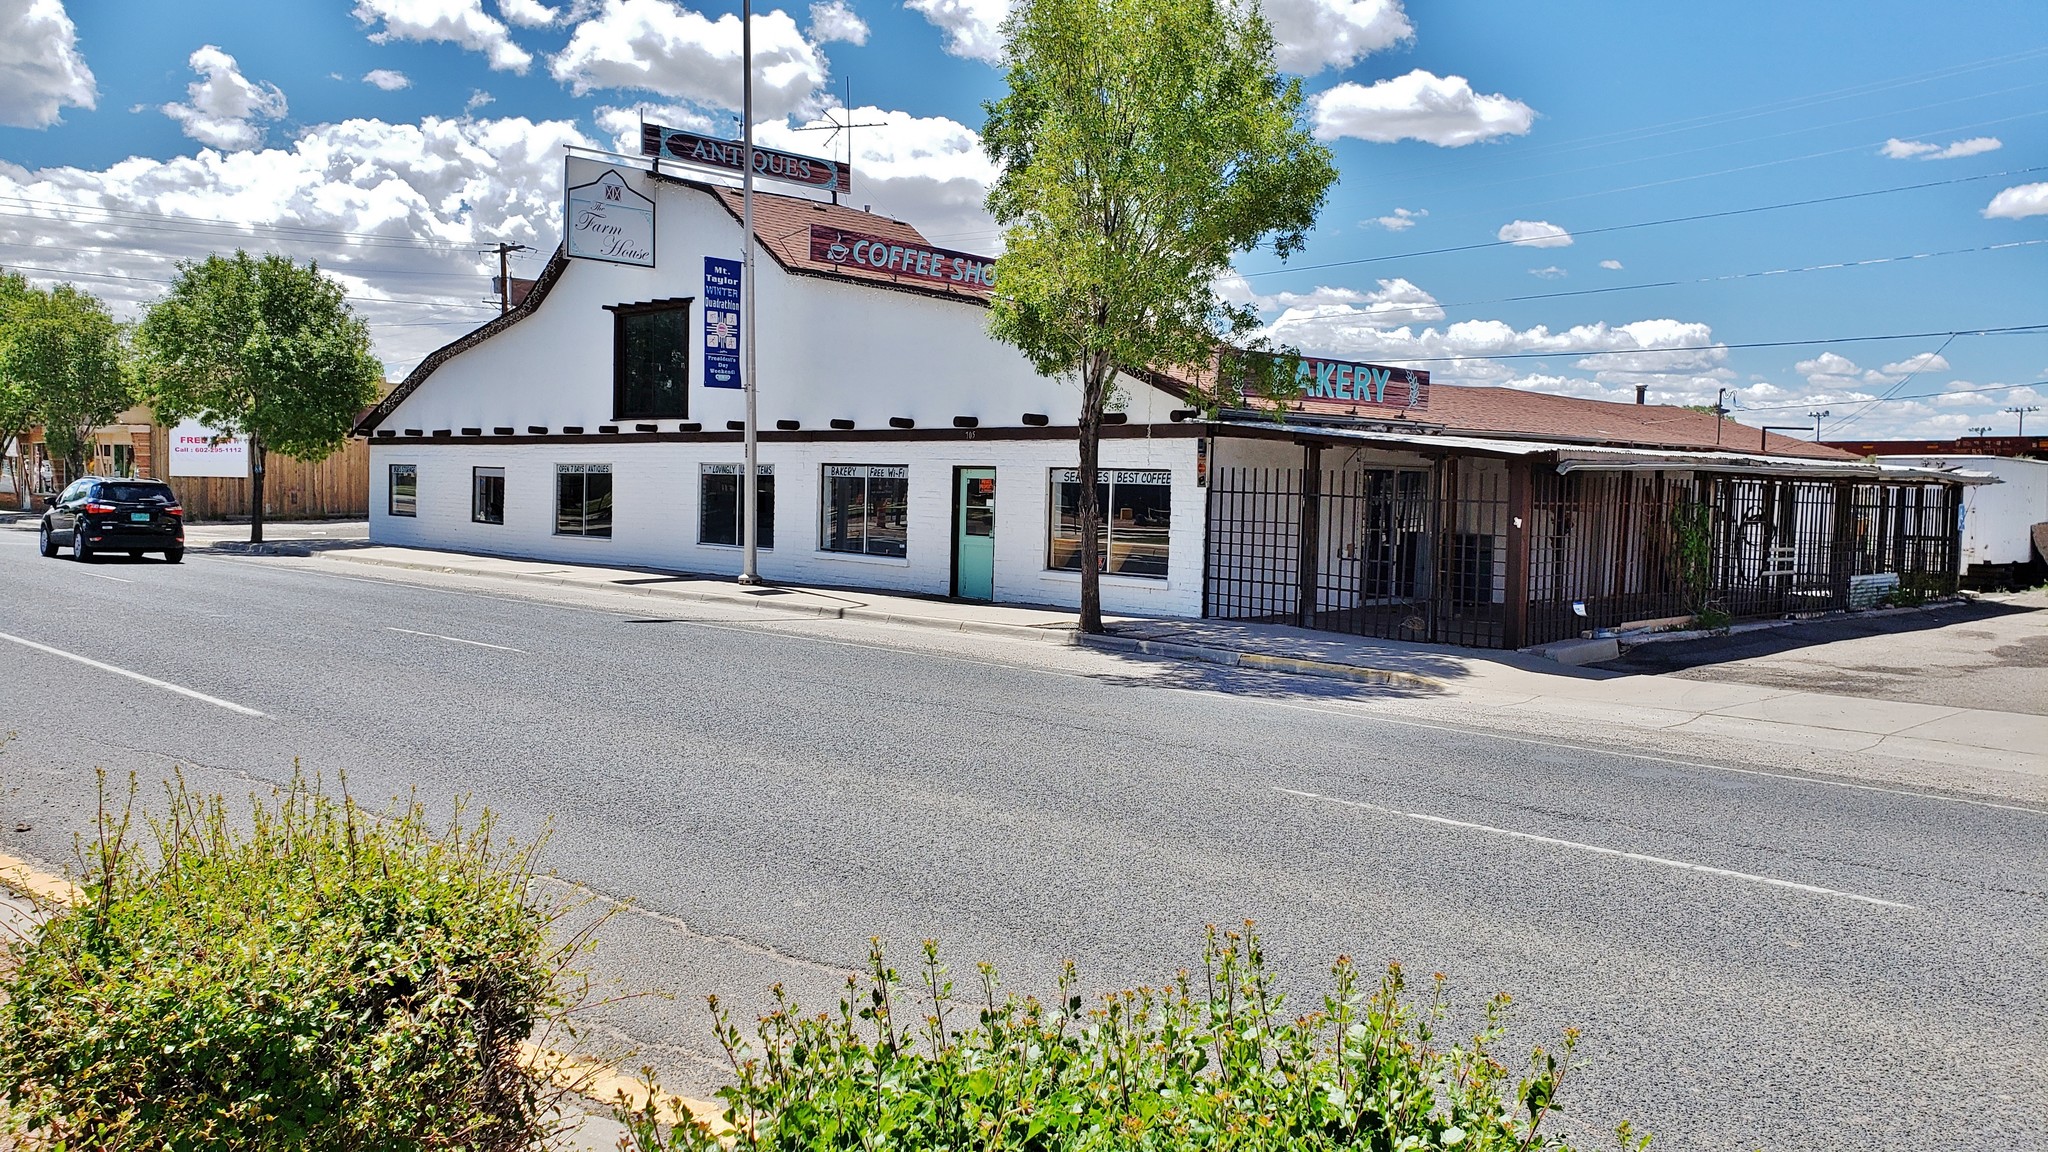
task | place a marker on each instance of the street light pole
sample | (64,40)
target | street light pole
(2021,410)
(750,572)
(1817,417)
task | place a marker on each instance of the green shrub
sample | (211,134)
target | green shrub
(1211,1061)
(317,976)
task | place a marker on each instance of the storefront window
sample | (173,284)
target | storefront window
(651,361)
(718,508)
(487,496)
(1135,509)
(583,500)
(404,491)
(866,509)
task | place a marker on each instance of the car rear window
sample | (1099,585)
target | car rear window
(127,493)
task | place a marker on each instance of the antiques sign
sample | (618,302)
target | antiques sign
(691,148)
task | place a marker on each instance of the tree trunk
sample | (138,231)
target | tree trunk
(256,455)
(1094,389)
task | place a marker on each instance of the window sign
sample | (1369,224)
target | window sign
(1134,509)
(607,220)
(718,505)
(583,500)
(866,509)
(721,323)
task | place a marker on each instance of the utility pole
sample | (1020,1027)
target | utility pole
(504,252)
(2021,410)
(1720,414)
(750,572)
(1817,417)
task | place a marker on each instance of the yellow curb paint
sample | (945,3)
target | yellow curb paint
(599,1082)
(36,884)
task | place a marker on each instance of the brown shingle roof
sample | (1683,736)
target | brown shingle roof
(782,224)
(1514,412)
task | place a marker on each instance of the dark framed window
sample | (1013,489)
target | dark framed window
(1135,511)
(866,509)
(583,500)
(487,495)
(651,360)
(718,505)
(403,496)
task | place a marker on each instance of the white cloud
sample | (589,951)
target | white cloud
(1552,272)
(1440,110)
(1899,149)
(462,22)
(1611,265)
(1924,362)
(973,28)
(835,20)
(623,124)
(528,13)
(397,210)
(2019,201)
(1397,301)
(659,47)
(41,71)
(1534,234)
(1831,370)
(927,170)
(387,79)
(1401,219)
(477,99)
(1311,35)
(223,105)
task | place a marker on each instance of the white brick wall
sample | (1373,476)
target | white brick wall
(655,496)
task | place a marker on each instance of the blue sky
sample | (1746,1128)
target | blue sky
(393,139)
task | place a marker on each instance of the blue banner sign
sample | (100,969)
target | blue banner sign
(721,323)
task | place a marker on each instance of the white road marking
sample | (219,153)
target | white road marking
(1489,734)
(136,676)
(455,640)
(1683,865)
(104,576)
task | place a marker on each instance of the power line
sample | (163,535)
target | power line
(2017,329)
(1378,313)
(1696,217)
(1845,421)
(1901,399)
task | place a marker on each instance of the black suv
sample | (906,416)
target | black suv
(102,514)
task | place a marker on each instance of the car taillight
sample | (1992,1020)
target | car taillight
(100,509)
(174,510)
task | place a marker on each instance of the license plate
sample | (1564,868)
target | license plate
(139,517)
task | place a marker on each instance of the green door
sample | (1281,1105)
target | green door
(974,533)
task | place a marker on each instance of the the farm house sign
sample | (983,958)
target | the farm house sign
(608,220)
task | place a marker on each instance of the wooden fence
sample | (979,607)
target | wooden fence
(337,488)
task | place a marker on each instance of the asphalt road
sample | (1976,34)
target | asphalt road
(1757,960)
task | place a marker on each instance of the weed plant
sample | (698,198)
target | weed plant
(318,976)
(1211,1061)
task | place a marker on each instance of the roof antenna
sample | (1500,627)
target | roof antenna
(835,127)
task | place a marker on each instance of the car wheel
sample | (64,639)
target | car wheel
(47,542)
(80,550)
(174,556)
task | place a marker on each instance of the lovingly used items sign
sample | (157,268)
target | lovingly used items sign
(608,220)
(721,323)
(692,148)
(909,261)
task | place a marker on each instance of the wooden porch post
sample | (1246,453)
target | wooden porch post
(1308,554)
(1521,508)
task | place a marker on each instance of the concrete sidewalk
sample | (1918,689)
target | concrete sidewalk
(1975,737)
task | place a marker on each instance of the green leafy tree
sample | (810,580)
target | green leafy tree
(17,400)
(63,365)
(265,349)
(1143,144)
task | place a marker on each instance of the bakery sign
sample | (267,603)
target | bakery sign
(608,220)
(939,266)
(1346,385)
(710,151)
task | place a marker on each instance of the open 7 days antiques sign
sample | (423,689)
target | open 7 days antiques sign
(608,220)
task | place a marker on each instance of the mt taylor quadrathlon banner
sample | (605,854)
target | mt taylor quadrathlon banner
(691,148)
